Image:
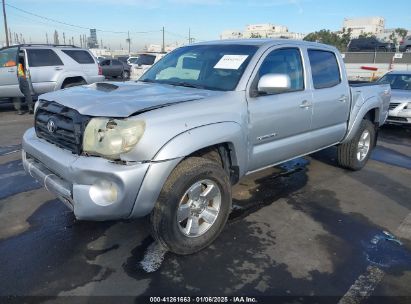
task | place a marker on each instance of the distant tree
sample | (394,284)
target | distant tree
(367,35)
(255,35)
(401,32)
(327,37)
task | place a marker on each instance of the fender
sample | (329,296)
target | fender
(182,145)
(357,115)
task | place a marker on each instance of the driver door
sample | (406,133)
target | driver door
(9,84)
(280,123)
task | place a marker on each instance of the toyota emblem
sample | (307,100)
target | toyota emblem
(51,126)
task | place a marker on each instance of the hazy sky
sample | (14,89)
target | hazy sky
(206,18)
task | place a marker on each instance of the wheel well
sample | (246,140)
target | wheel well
(223,154)
(69,80)
(373,115)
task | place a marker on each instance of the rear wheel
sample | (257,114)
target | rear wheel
(193,206)
(355,153)
(408,49)
(125,74)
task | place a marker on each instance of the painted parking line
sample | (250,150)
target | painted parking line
(364,286)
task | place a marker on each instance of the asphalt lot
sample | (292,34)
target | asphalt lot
(304,228)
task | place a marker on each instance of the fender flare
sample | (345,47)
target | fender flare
(354,123)
(182,145)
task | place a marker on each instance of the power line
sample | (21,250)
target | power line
(73,25)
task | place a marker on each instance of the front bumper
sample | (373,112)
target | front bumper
(74,178)
(399,114)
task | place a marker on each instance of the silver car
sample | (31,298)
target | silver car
(172,144)
(400,104)
(49,67)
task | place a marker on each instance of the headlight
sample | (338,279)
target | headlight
(112,137)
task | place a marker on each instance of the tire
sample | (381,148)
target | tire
(73,84)
(165,226)
(125,75)
(348,153)
(408,49)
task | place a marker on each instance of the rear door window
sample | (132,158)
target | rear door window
(324,68)
(8,57)
(43,57)
(80,56)
(146,59)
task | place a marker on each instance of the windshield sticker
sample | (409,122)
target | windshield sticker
(230,62)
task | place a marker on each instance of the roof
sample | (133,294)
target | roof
(265,42)
(40,45)
(400,72)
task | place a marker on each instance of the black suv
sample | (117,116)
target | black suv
(370,44)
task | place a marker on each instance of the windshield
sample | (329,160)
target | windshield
(145,59)
(212,67)
(398,81)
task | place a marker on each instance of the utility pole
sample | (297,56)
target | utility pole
(163,46)
(47,38)
(10,37)
(5,23)
(64,38)
(129,42)
(189,36)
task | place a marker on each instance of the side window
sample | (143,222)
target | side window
(116,62)
(80,56)
(324,69)
(145,59)
(105,63)
(43,57)
(285,61)
(8,57)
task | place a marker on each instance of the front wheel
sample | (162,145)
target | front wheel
(193,206)
(355,153)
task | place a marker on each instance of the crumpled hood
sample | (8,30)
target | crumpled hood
(399,96)
(122,99)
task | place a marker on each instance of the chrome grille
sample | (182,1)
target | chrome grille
(68,128)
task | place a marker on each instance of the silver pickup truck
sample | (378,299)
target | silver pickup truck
(172,144)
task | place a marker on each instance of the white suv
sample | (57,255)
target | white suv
(49,67)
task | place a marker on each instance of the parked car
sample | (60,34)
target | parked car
(144,62)
(405,45)
(115,68)
(400,105)
(100,58)
(131,59)
(172,144)
(370,44)
(50,68)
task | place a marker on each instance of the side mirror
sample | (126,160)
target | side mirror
(274,83)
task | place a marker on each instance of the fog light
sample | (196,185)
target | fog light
(103,193)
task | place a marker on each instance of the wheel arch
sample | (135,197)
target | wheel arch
(371,110)
(226,139)
(71,79)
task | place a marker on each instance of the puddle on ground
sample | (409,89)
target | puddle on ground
(13,179)
(6,150)
(153,257)
(385,250)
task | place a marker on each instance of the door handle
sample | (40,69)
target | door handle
(343,98)
(306,104)
(58,68)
